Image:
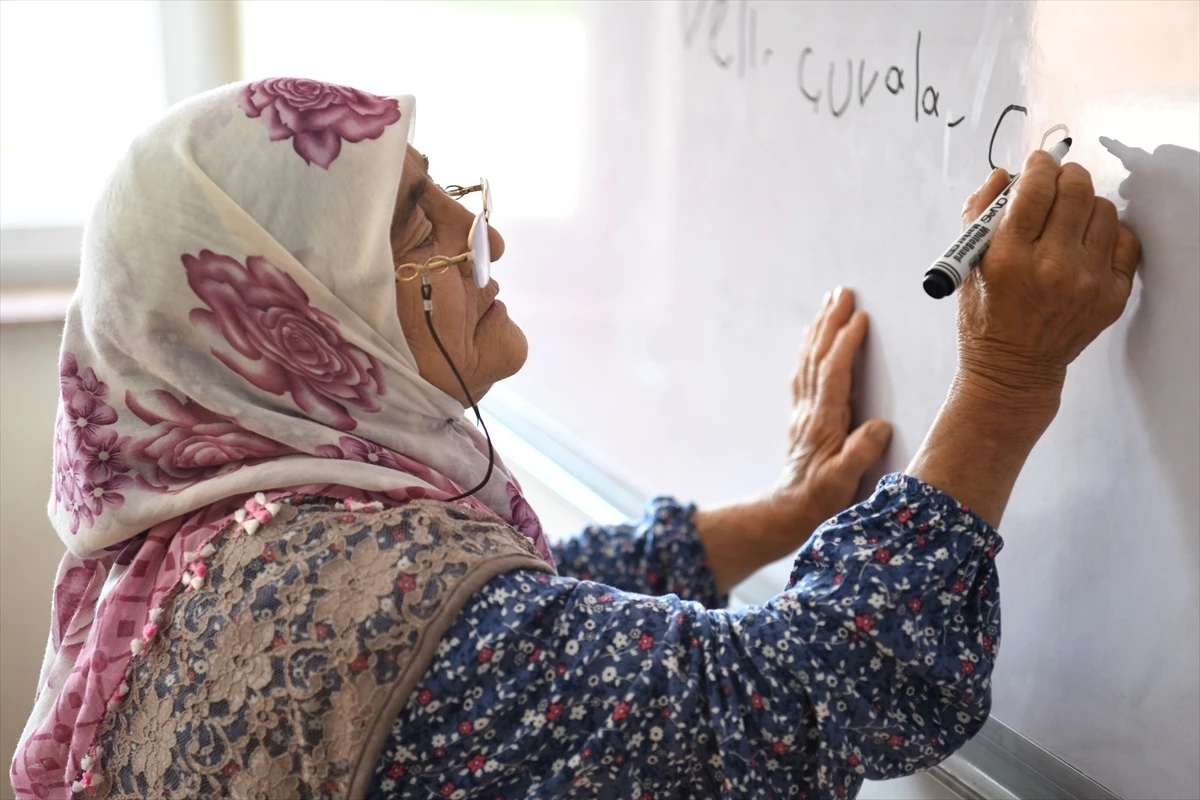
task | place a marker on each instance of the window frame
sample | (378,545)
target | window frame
(201,49)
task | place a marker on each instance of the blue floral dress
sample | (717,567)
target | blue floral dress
(622,678)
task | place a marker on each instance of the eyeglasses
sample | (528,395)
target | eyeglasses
(479,253)
(479,250)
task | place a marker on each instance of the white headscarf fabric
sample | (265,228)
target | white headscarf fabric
(234,330)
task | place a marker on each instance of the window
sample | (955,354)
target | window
(80,78)
(497,82)
(74,94)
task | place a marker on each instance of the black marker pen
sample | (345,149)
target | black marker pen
(949,271)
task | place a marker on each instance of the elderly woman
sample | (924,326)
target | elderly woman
(295,570)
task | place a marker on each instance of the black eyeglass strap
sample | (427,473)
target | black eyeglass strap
(427,296)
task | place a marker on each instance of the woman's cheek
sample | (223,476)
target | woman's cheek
(454,325)
(409,307)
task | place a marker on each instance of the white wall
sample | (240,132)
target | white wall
(29,548)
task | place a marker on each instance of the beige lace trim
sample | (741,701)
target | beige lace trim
(281,677)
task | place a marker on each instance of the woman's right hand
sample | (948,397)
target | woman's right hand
(1059,271)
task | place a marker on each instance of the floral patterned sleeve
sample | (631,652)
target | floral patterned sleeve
(875,662)
(659,554)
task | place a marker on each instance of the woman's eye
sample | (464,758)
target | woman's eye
(425,244)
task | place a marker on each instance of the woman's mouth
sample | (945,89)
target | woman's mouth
(495,307)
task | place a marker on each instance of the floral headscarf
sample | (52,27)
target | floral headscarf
(234,330)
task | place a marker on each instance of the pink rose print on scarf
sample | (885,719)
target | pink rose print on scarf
(74,600)
(317,116)
(523,515)
(352,449)
(189,443)
(102,456)
(89,460)
(280,343)
(526,521)
(80,386)
(83,400)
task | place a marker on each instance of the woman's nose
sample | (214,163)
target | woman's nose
(496,242)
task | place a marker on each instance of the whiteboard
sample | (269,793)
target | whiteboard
(721,165)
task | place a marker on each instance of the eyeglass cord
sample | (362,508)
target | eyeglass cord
(427,296)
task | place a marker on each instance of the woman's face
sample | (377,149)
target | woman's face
(473,325)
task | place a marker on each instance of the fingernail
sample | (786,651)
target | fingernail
(880,432)
(827,298)
(837,293)
(989,179)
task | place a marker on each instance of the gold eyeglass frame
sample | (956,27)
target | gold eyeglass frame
(436,265)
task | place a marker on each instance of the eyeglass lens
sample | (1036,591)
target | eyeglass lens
(481,248)
(481,252)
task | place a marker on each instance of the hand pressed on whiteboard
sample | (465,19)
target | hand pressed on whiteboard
(1059,272)
(826,460)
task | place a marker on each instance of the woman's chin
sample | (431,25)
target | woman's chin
(509,347)
(520,348)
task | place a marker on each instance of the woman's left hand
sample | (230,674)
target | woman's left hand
(826,460)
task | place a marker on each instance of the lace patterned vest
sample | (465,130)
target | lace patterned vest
(283,675)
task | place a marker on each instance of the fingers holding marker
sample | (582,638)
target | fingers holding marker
(984,195)
(993,186)
(1101,234)
(1035,193)
(1074,200)
(1031,195)
(1126,252)
(1112,243)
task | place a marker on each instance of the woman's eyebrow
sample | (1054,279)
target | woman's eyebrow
(410,201)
